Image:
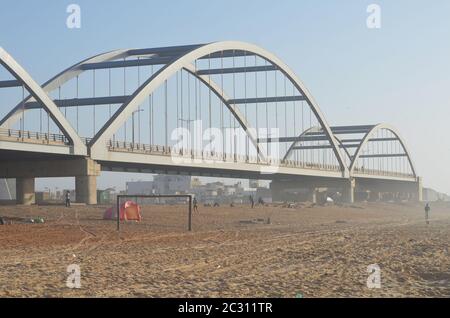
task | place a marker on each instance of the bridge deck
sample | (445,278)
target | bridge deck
(123,156)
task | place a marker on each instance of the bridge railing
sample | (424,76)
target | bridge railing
(376,172)
(120,146)
(32,137)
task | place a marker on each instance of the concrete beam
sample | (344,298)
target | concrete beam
(49,168)
(89,101)
(234,70)
(128,63)
(10,83)
(262,100)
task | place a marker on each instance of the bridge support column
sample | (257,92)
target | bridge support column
(86,182)
(25,191)
(86,189)
(348,191)
(419,189)
(312,195)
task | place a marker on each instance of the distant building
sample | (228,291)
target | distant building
(161,184)
(172,184)
(140,187)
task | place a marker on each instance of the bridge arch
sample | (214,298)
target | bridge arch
(36,91)
(59,79)
(367,138)
(184,61)
(181,58)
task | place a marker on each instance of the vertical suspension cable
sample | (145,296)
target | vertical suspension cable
(276,104)
(310,153)
(77,109)
(22,128)
(124,94)
(256,110)
(196,92)
(178,99)
(221,109)
(139,107)
(165,120)
(48,125)
(285,113)
(267,112)
(302,154)
(182,98)
(109,91)
(200,98)
(247,141)
(188,122)
(295,127)
(93,106)
(234,106)
(152,119)
(209,98)
(40,120)
(59,97)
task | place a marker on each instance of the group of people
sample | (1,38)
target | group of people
(252,201)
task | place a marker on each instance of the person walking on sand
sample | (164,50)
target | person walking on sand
(67,199)
(427,211)
(252,202)
(195,203)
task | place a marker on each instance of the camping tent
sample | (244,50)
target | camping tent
(129,210)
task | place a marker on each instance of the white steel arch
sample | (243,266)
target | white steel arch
(60,79)
(98,143)
(367,138)
(36,91)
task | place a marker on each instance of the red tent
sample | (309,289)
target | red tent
(129,210)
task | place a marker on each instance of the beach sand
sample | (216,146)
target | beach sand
(305,251)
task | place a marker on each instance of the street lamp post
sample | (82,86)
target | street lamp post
(132,125)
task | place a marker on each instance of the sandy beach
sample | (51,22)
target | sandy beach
(305,251)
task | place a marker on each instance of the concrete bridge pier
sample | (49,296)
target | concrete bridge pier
(86,189)
(25,193)
(419,189)
(312,195)
(85,171)
(86,182)
(348,191)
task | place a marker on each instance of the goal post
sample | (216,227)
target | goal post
(131,196)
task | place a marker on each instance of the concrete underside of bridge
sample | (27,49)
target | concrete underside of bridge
(27,169)
(284,187)
(345,190)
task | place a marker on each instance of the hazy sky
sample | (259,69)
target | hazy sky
(398,74)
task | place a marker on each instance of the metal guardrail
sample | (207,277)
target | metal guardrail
(384,173)
(120,146)
(32,137)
